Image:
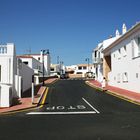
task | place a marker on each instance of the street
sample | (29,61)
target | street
(74,111)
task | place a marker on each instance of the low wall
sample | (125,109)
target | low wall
(5,95)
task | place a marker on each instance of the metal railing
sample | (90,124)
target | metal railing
(98,60)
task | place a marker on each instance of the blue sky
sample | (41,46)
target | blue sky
(70,29)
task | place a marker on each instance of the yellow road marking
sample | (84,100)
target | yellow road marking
(121,97)
(114,94)
(17,111)
(44,97)
(28,109)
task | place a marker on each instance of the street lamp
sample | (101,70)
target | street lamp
(61,67)
(43,53)
(87,59)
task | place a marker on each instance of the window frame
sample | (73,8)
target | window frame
(125,77)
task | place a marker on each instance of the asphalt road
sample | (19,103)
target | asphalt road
(74,111)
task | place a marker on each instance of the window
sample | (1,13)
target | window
(79,68)
(39,67)
(3,49)
(124,51)
(135,47)
(114,55)
(95,54)
(125,77)
(118,77)
(79,73)
(25,62)
(39,58)
(119,53)
(137,75)
(138,41)
(52,69)
(0,73)
(84,68)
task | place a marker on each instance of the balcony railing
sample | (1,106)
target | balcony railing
(3,49)
(98,60)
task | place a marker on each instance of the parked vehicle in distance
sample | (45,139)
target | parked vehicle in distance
(90,75)
(64,76)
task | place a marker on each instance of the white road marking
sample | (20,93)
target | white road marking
(91,106)
(61,113)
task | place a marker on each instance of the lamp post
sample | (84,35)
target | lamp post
(43,53)
(87,59)
(61,67)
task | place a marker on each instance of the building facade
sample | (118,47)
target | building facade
(15,77)
(32,63)
(36,62)
(8,70)
(97,56)
(80,70)
(122,60)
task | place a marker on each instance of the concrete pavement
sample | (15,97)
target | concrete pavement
(130,96)
(26,102)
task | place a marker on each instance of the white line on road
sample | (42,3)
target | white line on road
(91,106)
(61,113)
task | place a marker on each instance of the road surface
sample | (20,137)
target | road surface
(74,111)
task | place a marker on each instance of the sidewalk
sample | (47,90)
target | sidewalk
(122,93)
(26,102)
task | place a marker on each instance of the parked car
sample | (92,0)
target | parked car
(90,75)
(64,76)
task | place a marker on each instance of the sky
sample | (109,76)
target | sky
(70,29)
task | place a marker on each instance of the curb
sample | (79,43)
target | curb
(115,94)
(34,106)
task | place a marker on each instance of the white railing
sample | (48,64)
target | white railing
(98,60)
(3,49)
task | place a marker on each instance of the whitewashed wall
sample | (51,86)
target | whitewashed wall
(8,71)
(33,64)
(47,62)
(125,63)
(26,73)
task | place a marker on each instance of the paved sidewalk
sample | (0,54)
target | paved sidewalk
(126,94)
(26,102)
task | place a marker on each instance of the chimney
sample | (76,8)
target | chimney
(124,29)
(117,33)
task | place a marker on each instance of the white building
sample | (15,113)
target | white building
(8,69)
(36,62)
(55,70)
(122,60)
(80,70)
(15,77)
(84,68)
(23,79)
(97,56)
(44,58)
(31,62)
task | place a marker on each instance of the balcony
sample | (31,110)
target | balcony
(3,49)
(98,60)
